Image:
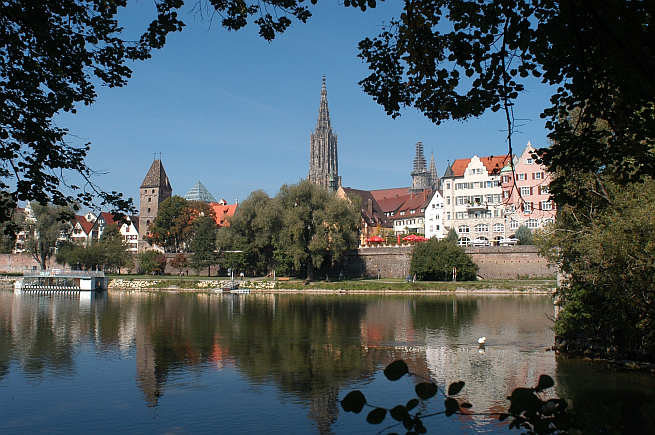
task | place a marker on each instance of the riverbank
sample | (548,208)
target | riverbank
(541,286)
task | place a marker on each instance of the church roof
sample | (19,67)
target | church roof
(199,193)
(156,176)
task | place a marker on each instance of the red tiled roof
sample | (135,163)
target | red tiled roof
(223,212)
(86,225)
(491,163)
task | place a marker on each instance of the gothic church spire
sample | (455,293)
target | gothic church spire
(323,161)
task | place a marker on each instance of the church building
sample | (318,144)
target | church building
(323,160)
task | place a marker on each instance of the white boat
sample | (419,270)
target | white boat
(57,280)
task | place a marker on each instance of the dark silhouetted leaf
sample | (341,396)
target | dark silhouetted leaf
(376,416)
(451,406)
(399,413)
(411,404)
(353,402)
(466,405)
(396,370)
(409,424)
(503,417)
(544,383)
(426,390)
(455,388)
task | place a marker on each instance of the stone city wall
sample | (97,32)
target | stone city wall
(495,262)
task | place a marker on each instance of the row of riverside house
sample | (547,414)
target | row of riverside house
(484,199)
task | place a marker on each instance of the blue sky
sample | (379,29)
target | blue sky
(236,112)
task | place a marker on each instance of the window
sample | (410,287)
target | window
(437,229)
(525,191)
(538,176)
(513,225)
(488,184)
(463,229)
(448,216)
(479,171)
(482,228)
(434,206)
(153,190)
(402,213)
(532,223)
(549,221)
(521,177)
(546,205)
(527,207)
(412,211)
(505,193)
(496,199)
(448,200)
(498,228)
(148,209)
(430,227)
(460,215)
(543,190)
(463,241)
(447,185)
(149,199)
(506,178)
(529,161)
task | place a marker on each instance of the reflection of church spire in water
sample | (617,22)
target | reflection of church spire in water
(324,409)
(146,366)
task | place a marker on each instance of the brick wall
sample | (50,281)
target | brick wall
(17,263)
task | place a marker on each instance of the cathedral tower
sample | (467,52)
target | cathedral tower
(420,175)
(154,189)
(323,161)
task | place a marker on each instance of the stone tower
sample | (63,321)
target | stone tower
(323,161)
(154,189)
(434,178)
(420,175)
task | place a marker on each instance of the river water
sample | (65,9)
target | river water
(183,363)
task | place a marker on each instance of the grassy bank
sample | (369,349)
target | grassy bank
(207,283)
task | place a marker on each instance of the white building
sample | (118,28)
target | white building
(434,217)
(473,199)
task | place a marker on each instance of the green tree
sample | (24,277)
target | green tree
(167,229)
(524,235)
(117,251)
(435,259)
(317,226)
(152,262)
(452,236)
(203,244)
(605,247)
(45,229)
(599,59)
(53,56)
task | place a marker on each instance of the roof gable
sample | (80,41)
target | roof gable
(156,176)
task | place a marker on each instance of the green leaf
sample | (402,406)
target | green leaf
(544,383)
(455,388)
(451,406)
(426,390)
(376,416)
(399,413)
(413,403)
(353,402)
(396,370)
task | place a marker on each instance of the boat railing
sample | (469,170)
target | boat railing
(64,273)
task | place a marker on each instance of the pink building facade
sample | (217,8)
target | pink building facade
(525,193)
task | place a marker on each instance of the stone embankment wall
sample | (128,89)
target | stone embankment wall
(495,262)
(501,262)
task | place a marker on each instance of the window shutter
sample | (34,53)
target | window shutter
(533,175)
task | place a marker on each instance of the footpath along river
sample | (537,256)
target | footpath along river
(278,363)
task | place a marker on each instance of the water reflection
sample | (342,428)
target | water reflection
(309,348)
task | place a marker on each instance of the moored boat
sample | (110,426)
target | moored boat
(57,280)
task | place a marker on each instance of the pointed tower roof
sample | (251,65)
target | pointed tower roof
(156,176)
(323,121)
(419,159)
(449,172)
(199,193)
(433,170)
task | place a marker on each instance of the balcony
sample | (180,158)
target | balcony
(478,206)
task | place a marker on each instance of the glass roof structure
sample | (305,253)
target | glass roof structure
(199,193)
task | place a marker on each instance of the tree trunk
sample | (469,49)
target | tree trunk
(310,270)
